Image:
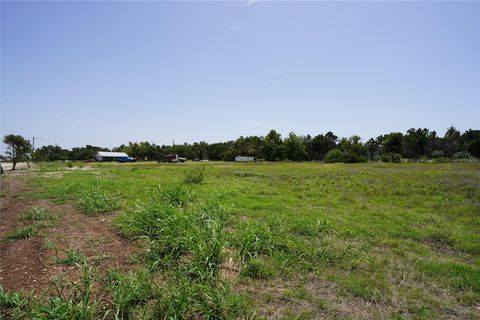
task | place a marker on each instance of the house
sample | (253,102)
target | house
(104,156)
(244,159)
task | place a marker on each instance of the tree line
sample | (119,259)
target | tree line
(413,144)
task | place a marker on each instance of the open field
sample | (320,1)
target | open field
(229,240)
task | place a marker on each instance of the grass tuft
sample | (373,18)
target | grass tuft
(38,214)
(26,232)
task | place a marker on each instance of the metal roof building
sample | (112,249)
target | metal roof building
(109,156)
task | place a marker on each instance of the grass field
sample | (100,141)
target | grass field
(270,240)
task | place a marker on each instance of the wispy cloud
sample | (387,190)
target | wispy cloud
(272,81)
(251,2)
(255,124)
(274,77)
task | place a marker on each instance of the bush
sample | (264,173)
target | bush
(437,154)
(391,157)
(462,155)
(334,155)
(195,176)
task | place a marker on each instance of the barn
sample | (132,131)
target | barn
(104,156)
(244,159)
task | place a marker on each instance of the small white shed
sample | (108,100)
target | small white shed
(244,159)
(109,156)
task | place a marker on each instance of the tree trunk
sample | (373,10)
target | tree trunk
(1,169)
(14,165)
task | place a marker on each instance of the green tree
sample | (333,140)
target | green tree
(418,142)
(353,150)
(452,141)
(295,148)
(372,146)
(392,142)
(321,144)
(18,149)
(273,146)
(51,153)
(471,142)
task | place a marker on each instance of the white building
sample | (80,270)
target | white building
(244,159)
(109,156)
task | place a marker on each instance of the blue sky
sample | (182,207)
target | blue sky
(106,73)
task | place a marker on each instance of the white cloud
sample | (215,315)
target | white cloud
(255,124)
(273,81)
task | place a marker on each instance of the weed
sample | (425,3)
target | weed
(73,257)
(257,269)
(255,240)
(38,214)
(97,201)
(23,233)
(13,305)
(72,301)
(129,291)
(308,228)
(195,176)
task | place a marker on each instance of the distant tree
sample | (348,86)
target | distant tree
(452,141)
(250,146)
(418,142)
(87,152)
(353,150)
(321,144)
(19,148)
(273,146)
(471,142)
(295,148)
(392,142)
(372,146)
(51,153)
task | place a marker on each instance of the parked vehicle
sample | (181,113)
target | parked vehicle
(174,158)
(125,159)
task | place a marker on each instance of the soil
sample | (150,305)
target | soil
(32,265)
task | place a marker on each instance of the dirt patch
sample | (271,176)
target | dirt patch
(32,264)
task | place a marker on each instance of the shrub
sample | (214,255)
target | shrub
(391,157)
(334,155)
(462,155)
(437,154)
(195,176)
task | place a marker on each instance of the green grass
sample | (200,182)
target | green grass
(73,257)
(38,214)
(391,240)
(26,232)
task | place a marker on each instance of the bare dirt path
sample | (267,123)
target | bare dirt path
(34,263)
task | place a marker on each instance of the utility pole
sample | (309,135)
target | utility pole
(33,144)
